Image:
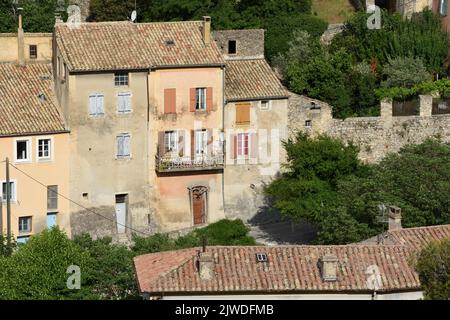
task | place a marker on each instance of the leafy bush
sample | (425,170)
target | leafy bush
(433,266)
(405,72)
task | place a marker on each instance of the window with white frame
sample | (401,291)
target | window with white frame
(124,102)
(170,141)
(121,79)
(25,224)
(12,191)
(23,150)
(200,99)
(243,144)
(265,105)
(96,102)
(201,142)
(44,149)
(123,146)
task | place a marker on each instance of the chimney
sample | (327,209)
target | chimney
(395,218)
(20,40)
(205,265)
(328,267)
(206,29)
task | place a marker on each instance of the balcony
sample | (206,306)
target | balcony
(169,163)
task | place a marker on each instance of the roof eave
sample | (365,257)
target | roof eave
(257,98)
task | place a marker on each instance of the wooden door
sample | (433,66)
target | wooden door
(199,206)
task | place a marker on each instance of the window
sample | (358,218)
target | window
(170,141)
(44,149)
(308,123)
(52,197)
(200,99)
(123,146)
(63,71)
(443,7)
(52,219)
(265,105)
(24,224)
(121,79)
(231,46)
(23,150)
(22,240)
(33,51)
(243,144)
(124,102)
(12,188)
(201,142)
(96,102)
(243,113)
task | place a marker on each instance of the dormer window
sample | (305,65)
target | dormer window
(33,51)
(169,43)
(232,47)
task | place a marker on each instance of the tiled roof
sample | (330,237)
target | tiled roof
(417,238)
(289,269)
(21,109)
(251,79)
(126,45)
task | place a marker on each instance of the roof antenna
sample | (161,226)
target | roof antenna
(134,13)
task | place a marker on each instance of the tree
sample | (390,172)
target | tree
(38,270)
(405,72)
(433,266)
(363,82)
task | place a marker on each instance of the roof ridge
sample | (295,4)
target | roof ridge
(93,23)
(422,227)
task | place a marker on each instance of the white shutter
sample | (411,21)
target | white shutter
(100,100)
(120,146)
(127,98)
(126,146)
(92,105)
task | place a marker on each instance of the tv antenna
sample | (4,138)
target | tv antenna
(134,13)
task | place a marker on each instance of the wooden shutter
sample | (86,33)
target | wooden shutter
(181,143)
(243,113)
(233,146)
(192,100)
(92,105)
(161,149)
(126,145)
(209,99)
(170,100)
(100,101)
(192,144)
(120,149)
(253,146)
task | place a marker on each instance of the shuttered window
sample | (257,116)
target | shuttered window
(443,7)
(200,99)
(243,144)
(52,197)
(170,141)
(123,146)
(170,100)
(96,102)
(243,113)
(124,102)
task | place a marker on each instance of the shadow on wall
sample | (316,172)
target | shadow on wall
(270,228)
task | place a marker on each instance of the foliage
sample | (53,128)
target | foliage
(362,83)
(420,37)
(223,232)
(38,269)
(405,72)
(7,247)
(38,15)
(433,266)
(112,275)
(400,93)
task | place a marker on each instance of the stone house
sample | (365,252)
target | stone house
(33,136)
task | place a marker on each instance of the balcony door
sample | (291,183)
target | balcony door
(199,200)
(201,144)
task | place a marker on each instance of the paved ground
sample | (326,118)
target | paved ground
(270,229)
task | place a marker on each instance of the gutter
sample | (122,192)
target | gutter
(257,98)
(33,134)
(178,66)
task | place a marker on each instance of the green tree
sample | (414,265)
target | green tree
(405,72)
(38,269)
(363,82)
(433,266)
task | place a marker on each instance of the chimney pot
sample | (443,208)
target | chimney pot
(395,218)
(206,29)
(328,267)
(206,264)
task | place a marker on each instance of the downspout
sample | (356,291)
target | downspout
(224,147)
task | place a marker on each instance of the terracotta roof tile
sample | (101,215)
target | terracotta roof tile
(251,79)
(127,45)
(21,109)
(289,268)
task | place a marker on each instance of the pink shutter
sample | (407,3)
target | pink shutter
(209,99)
(169,100)
(192,100)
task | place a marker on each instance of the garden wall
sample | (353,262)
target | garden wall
(375,136)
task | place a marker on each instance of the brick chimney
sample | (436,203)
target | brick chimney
(205,266)
(395,218)
(206,30)
(20,40)
(328,267)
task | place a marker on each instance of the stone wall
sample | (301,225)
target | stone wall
(375,136)
(249,43)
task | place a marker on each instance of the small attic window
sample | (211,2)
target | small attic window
(169,43)
(261,257)
(41,97)
(231,46)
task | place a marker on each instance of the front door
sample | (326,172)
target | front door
(121,213)
(199,205)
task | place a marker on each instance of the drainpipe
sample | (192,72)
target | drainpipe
(225,141)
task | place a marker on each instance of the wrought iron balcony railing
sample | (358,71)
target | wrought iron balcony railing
(170,163)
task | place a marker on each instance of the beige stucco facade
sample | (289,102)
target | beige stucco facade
(9,47)
(30,197)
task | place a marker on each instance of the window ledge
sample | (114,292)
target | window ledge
(23,161)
